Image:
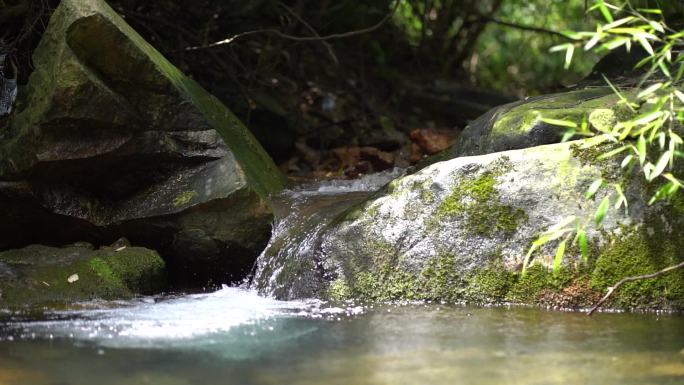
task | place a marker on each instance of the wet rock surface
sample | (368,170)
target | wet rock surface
(459,230)
(41,275)
(112,140)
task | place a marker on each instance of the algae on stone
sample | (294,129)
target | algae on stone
(42,275)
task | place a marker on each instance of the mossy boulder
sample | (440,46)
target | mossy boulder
(459,230)
(519,125)
(112,140)
(41,275)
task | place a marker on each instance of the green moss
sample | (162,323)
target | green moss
(600,106)
(101,274)
(639,253)
(440,281)
(478,199)
(339,290)
(491,285)
(184,198)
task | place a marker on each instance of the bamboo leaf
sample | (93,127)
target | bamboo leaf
(594,188)
(641,149)
(605,11)
(655,11)
(583,245)
(678,93)
(602,211)
(568,56)
(612,153)
(619,22)
(657,26)
(649,90)
(644,43)
(558,122)
(660,165)
(558,260)
(593,41)
(622,199)
(568,135)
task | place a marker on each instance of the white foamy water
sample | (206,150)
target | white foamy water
(170,322)
(366,183)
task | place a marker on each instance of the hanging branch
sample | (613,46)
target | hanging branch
(611,290)
(523,27)
(278,33)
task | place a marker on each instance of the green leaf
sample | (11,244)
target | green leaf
(619,22)
(602,211)
(650,90)
(558,260)
(655,11)
(647,118)
(594,188)
(558,122)
(657,26)
(665,192)
(678,93)
(615,43)
(641,149)
(660,165)
(612,153)
(605,11)
(583,245)
(568,135)
(568,56)
(626,161)
(644,43)
(622,199)
(594,40)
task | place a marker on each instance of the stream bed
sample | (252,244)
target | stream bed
(233,336)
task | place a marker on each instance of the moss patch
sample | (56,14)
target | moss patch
(184,198)
(479,201)
(105,274)
(441,280)
(639,253)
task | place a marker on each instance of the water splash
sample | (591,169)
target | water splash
(146,322)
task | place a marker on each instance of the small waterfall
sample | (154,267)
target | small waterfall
(301,216)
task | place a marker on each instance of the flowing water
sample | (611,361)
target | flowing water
(235,336)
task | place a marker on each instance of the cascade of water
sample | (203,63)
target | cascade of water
(301,215)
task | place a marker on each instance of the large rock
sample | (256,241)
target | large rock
(112,140)
(40,275)
(460,229)
(519,125)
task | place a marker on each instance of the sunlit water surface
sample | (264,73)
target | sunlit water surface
(235,337)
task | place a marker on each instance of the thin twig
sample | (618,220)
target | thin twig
(278,33)
(308,26)
(611,290)
(523,27)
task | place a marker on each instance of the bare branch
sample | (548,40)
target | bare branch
(308,26)
(278,33)
(523,27)
(612,290)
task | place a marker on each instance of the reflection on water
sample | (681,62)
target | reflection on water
(234,337)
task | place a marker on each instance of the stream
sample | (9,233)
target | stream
(234,336)
(237,336)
